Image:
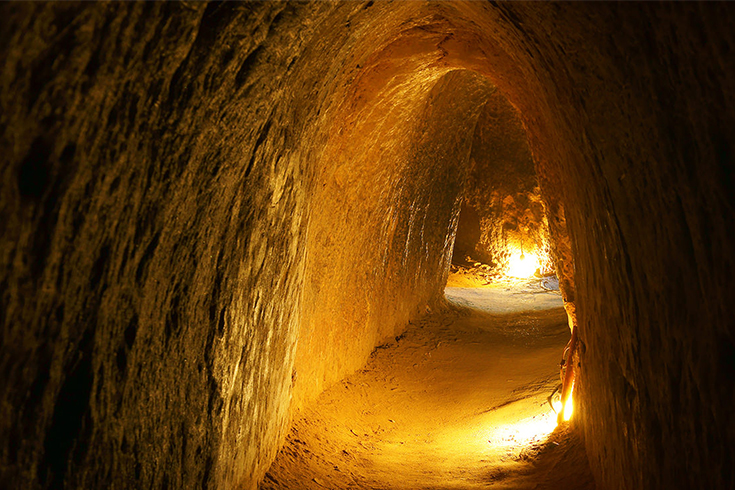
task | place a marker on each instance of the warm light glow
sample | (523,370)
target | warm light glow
(556,405)
(522,265)
(569,408)
(524,432)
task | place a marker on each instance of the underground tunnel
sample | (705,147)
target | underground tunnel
(216,216)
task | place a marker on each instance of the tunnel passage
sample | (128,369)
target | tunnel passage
(161,205)
(502,211)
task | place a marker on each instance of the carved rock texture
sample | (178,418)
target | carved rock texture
(210,212)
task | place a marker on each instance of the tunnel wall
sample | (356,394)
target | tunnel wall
(631,128)
(154,215)
(173,173)
(393,198)
(650,238)
(160,186)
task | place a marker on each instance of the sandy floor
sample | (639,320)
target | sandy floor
(457,402)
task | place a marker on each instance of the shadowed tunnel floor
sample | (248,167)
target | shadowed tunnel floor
(457,402)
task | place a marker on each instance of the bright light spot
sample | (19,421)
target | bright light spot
(524,432)
(569,408)
(556,405)
(522,265)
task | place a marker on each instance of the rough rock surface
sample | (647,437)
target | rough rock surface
(187,187)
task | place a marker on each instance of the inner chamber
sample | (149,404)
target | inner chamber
(502,222)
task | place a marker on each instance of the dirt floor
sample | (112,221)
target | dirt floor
(457,402)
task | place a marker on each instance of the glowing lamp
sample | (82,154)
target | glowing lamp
(568,408)
(522,265)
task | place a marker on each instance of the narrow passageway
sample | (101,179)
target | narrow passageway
(216,218)
(458,401)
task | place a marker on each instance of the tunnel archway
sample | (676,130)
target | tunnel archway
(163,163)
(419,175)
(385,91)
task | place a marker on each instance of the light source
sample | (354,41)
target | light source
(522,265)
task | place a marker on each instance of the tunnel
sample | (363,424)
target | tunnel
(215,213)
